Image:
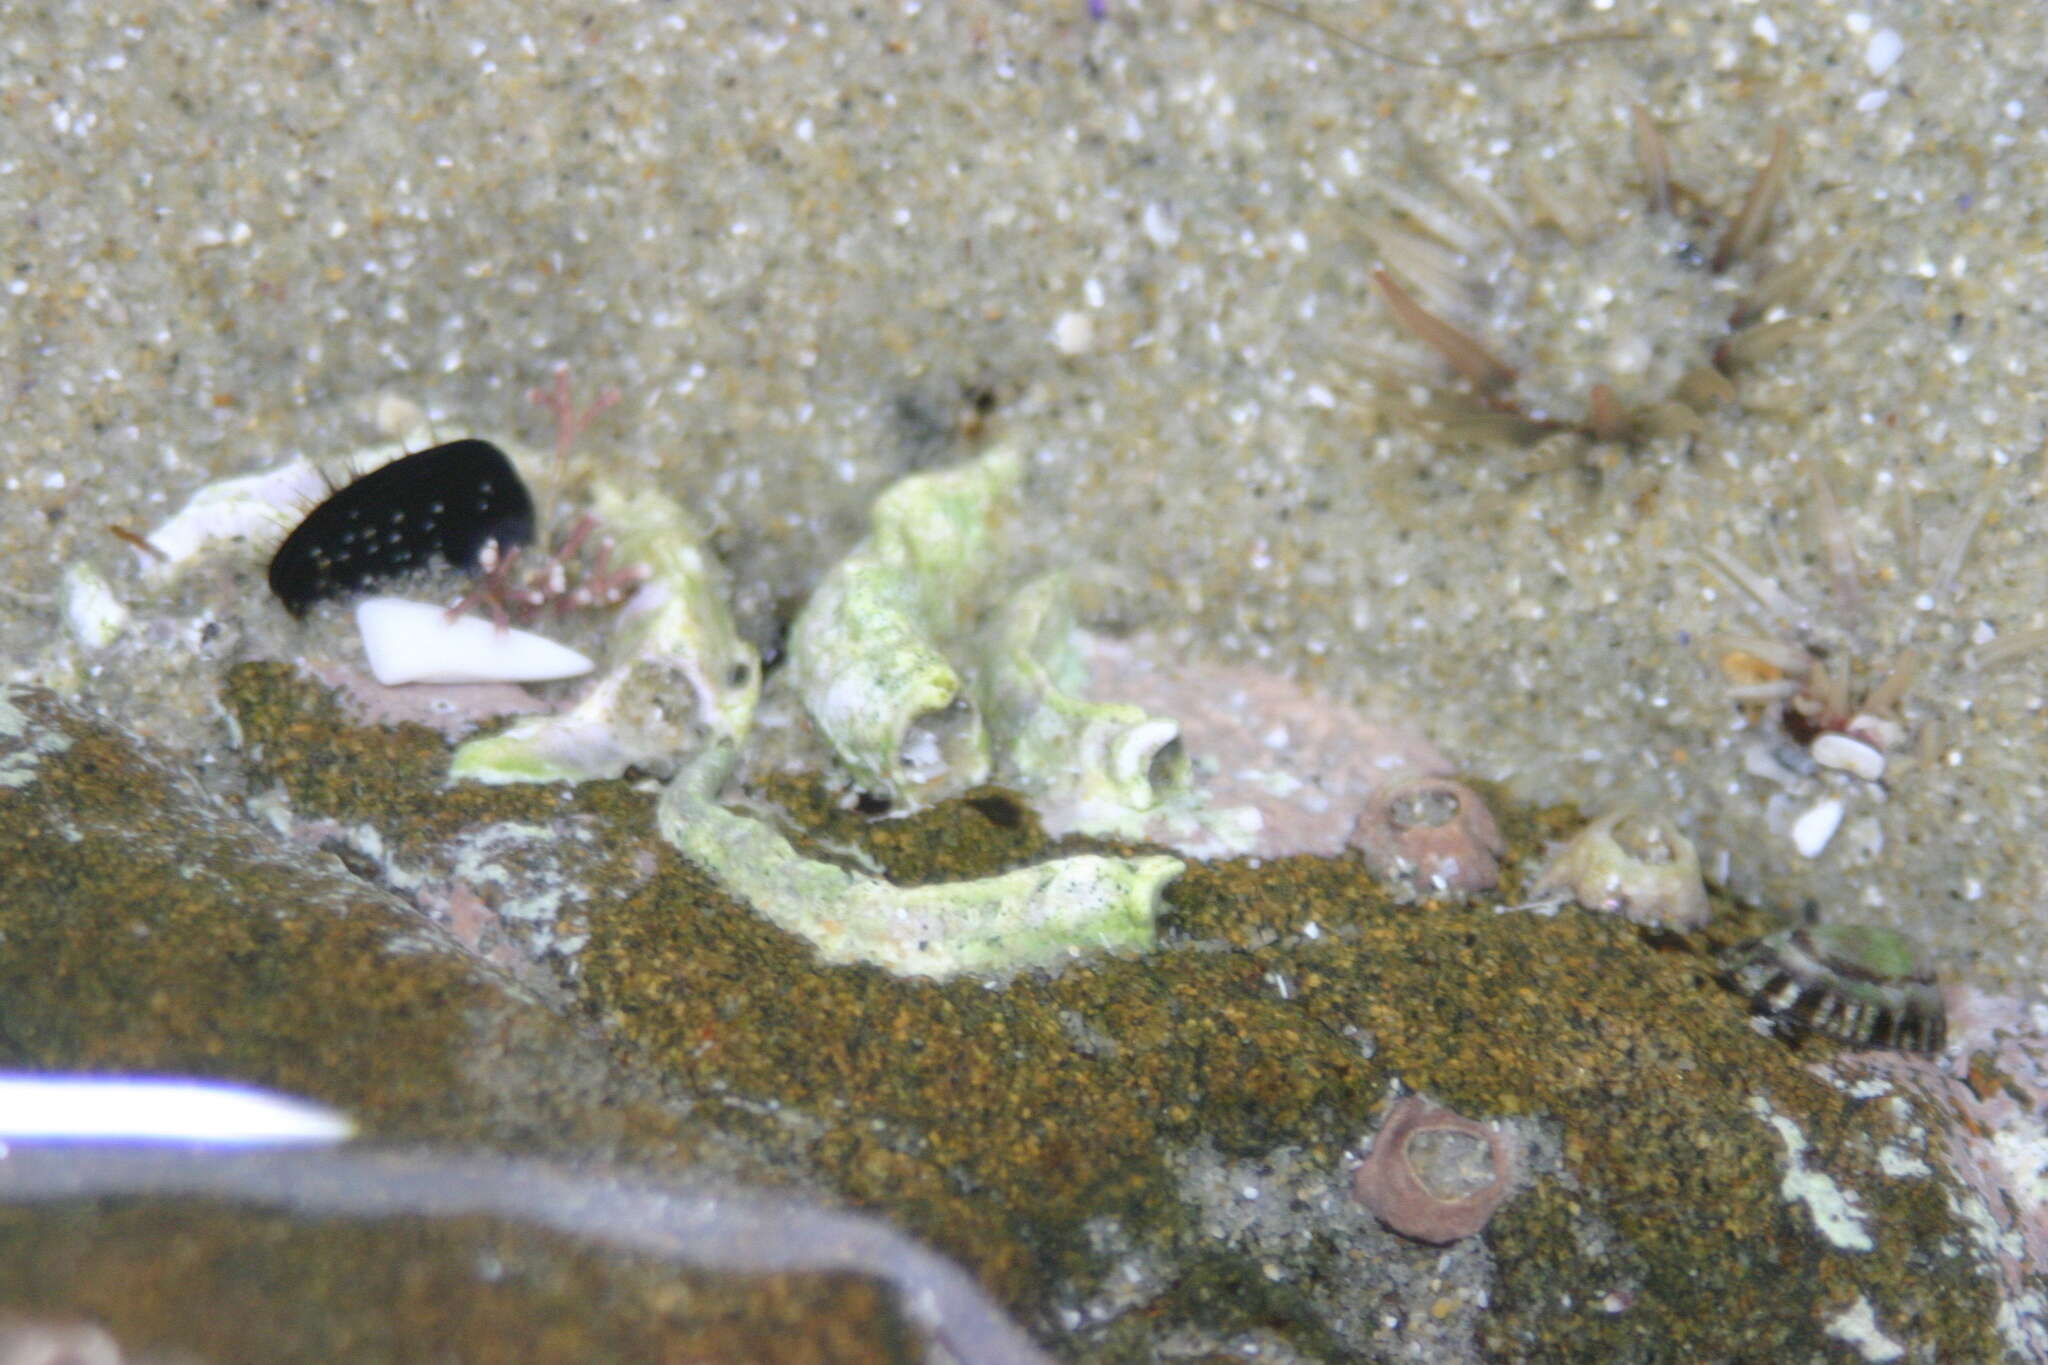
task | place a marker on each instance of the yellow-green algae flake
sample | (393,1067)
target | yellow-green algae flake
(928,673)
(869,651)
(1032,916)
(1109,765)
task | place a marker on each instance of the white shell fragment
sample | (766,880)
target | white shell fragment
(259,508)
(46,1108)
(1879,732)
(94,616)
(244,509)
(412,642)
(1848,755)
(1812,830)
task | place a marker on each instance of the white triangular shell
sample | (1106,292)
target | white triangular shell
(410,642)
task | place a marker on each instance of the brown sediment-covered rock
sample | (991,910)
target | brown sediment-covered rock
(145,927)
(1990,1096)
(1434,1175)
(998,1124)
(1433,830)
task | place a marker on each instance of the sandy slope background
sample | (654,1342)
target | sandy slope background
(811,244)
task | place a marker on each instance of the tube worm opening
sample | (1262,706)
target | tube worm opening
(939,744)
(1149,761)
(1433,1175)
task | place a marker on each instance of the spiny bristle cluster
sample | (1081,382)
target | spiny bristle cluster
(1799,984)
(1427,252)
(1824,654)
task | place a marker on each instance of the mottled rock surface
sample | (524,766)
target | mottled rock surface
(145,927)
(1135,1156)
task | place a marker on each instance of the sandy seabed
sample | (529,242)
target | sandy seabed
(810,246)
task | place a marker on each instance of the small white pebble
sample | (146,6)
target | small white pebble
(1883,51)
(1879,732)
(1812,830)
(1763,28)
(1160,224)
(93,614)
(396,415)
(1073,334)
(1848,755)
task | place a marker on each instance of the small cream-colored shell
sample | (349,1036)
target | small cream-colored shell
(1635,864)
(1848,754)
